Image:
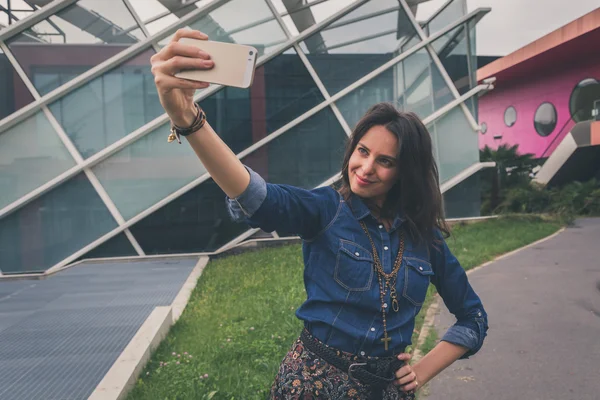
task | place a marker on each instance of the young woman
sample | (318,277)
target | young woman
(370,248)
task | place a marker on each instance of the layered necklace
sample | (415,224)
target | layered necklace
(386,281)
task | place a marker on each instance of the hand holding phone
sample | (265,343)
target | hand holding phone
(234,64)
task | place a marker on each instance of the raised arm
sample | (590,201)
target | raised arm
(177,98)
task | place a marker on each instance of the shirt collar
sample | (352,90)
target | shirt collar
(361,211)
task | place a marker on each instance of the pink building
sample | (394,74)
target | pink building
(543,89)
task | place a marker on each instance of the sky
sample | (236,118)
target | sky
(513,24)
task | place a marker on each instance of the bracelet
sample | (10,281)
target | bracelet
(198,123)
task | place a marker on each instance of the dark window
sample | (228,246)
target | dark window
(483,128)
(582,99)
(510,116)
(545,119)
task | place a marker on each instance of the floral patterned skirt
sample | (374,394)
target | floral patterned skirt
(303,375)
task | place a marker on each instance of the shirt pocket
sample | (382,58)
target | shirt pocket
(353,267)
(416,280)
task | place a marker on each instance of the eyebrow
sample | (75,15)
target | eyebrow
(382,155)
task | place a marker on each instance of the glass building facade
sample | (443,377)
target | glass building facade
(85,167)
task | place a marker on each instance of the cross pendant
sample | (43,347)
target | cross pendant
(385,340)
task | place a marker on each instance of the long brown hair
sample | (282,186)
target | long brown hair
(416,195)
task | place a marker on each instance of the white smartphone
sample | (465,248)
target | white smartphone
(234,64)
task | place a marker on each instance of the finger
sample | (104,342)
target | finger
(188,33)
(409,387)
(404,356)
(179,49)
(178,64)
(406,370)
(165,83)
(406,379)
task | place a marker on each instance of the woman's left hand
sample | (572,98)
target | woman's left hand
(406,377)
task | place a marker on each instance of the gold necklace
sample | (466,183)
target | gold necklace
(390,281)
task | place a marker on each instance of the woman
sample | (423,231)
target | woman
(370,248)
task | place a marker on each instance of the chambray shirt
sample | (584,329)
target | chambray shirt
(343,305)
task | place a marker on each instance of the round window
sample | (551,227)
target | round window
(483,128)
(545,119)
(582,99)
(510,116)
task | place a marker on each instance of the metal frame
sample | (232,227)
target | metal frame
(34,18)
(142,131)
(140,24)
(40,104)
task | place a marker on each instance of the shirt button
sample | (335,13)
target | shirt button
(380,226)
(479,314)
(372,329)
(386,248)
(357,254)
(384,305)
(362,353)
(421,268)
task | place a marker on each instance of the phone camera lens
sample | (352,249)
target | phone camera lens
(251,52)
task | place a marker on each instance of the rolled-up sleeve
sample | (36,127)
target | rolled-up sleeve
(458,295)
(284,208)
(246,204)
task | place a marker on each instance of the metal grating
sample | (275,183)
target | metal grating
(61,335)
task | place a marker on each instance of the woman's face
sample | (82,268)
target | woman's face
(372,168)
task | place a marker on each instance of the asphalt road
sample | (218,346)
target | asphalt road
(544,314)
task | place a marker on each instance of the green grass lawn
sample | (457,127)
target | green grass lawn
(240,320)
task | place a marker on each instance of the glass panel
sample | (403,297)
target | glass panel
(118,246)
(414,84)
(223,25)
(31,154)
(464,199)
(73,41)
(456,144)
(282,91)
(54,226)
(301,19)
(358,43)
(15,94)
(198,220)
(146,171)
(12,11)
(452,51)
(448,15)
(305,156)
(160,14)
(110,107)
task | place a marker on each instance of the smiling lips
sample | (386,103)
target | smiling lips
(362,181)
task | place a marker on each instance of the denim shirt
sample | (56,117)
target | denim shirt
(343,305)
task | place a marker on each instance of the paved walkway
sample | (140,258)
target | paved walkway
(60,336)
(544,312)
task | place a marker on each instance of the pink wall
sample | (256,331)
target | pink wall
(525,95)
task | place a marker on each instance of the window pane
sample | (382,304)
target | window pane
(73,41)
(306,156)
(450,14)
(194,222)
(160,14)
(15,94)
(19,10)
(581,101)
(464,199)
(225,25)
(301,19)
(282,91)
(414,84)
(54,226)
(198,221)
(118,246)
(452,51)
(110,107)
(456,144)
(358,43)
(544,119)
(31,154)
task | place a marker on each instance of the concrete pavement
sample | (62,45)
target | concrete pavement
(544,314)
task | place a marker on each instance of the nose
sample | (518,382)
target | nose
(368,166)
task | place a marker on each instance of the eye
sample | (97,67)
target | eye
(386,162)
(362,150)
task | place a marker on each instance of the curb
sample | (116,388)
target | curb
(123,374)
(435,305)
